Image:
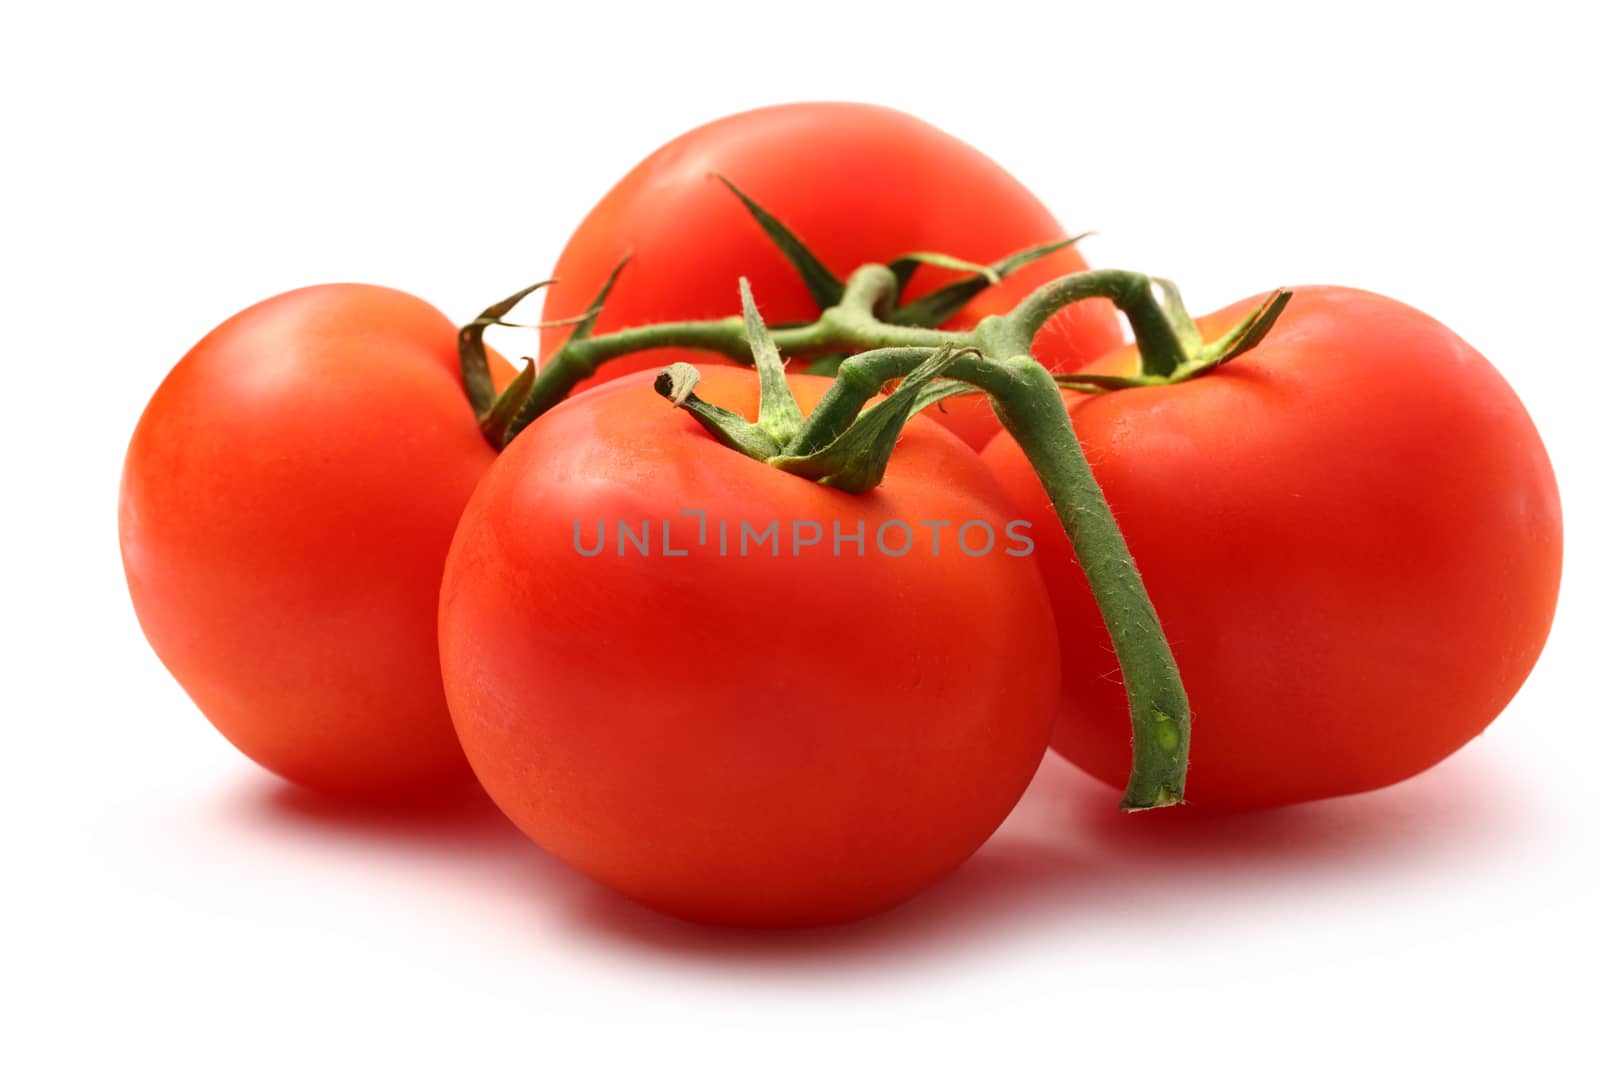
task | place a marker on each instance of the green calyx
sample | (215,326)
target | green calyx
(934,309)
(1171,349)
(475,357)
(837,446)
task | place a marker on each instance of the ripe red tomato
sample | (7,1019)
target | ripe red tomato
(1351,535)
(859,184)
(287,501)
(753,738)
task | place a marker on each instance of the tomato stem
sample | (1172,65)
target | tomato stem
(858,322)
(856,459)
(868,296)
(851,325)
(1033,413)
(853,385)
(1161,348)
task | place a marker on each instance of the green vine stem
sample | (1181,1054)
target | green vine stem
(840,445)
(842,326)
(1161,350)
(854,325)
(1033,413)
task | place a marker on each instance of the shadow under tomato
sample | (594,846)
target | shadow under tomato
(1458,806)
(1065,860)
(463,817)
(439,848)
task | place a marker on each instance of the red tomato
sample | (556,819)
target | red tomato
(859,184)
(287,501)
(684,729)
(1351,535)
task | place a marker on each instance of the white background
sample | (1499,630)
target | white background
(168,165)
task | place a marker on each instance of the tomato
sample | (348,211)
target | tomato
(1351,535)
(753,738)
(287,501)
(857,183)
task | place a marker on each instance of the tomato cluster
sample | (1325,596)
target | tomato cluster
(750,692)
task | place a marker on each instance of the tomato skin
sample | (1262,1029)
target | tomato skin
(684,730)
(859,184)
(286,504)
(1352,536)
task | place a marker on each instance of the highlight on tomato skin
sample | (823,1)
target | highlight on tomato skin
(743,739)
(858,184)
(1352,536)
(286,503)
